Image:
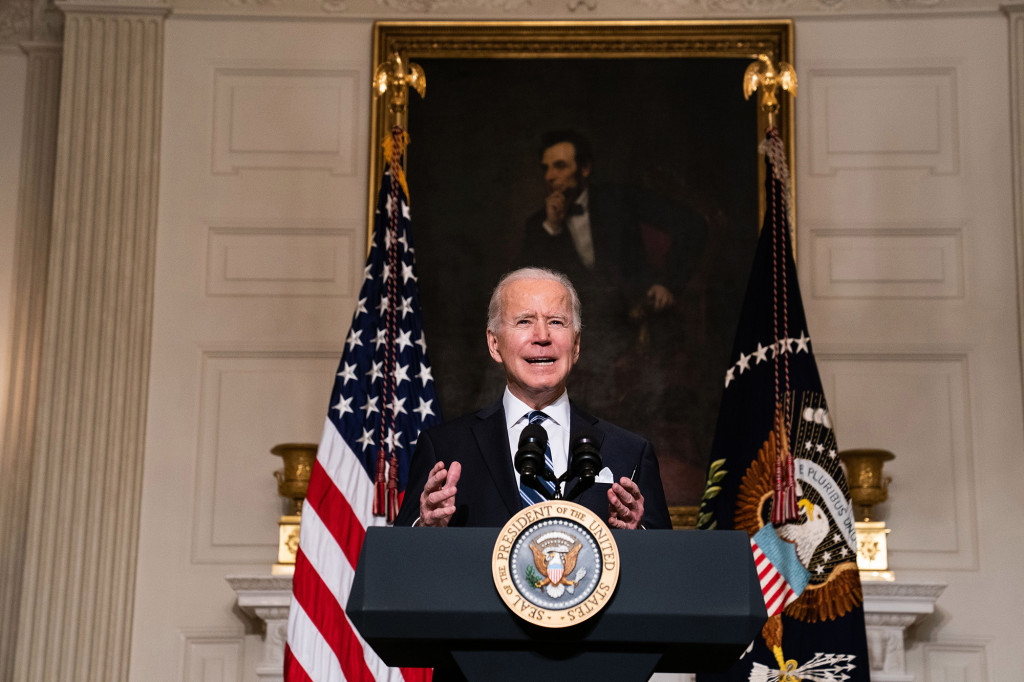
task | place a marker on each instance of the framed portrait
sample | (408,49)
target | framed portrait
(667,169)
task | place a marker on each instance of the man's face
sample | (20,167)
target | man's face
(535,340)
(561,173)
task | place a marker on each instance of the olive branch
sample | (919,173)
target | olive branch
(705,519)
(533,576)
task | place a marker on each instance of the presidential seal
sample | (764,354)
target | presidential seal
(555,564)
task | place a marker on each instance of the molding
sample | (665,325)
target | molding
(1015,15)
(257,585)
(959,659)
(572,10)
(211,654)
(902,261)
(889,593)
(236,506)
(114,7)
(897,88)
(263,597)
(947,371)
(30,20)
(15,21)
(280,261)
(295,142)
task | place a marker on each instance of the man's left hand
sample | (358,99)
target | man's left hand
(625,504)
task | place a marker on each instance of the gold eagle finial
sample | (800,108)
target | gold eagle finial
(393,78)
(762,74)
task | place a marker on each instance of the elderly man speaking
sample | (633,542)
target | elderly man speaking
(462,471)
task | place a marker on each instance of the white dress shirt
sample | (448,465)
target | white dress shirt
(557,426)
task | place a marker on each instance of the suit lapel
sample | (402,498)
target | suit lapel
(491,435)
(580,423)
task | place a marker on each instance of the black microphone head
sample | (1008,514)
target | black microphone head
(529,460)
(534,437)
(586,457)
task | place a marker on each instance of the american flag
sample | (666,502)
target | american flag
(383,397)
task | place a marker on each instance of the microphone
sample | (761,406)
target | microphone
(529,459)
(585,462)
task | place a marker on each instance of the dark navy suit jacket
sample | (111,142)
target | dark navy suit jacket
(487,492)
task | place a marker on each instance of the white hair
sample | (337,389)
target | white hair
(495,307)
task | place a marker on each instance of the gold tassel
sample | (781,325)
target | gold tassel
(393,156)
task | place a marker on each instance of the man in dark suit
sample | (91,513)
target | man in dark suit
(462,472)
(631,254)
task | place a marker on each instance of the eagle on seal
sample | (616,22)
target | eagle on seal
(555,568)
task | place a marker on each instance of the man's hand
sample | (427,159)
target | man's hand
(437,501)
(555,210)
(625,505)
(659,297)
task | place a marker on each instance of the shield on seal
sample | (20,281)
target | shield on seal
(555,568)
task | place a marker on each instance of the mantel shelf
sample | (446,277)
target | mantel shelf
(889,609)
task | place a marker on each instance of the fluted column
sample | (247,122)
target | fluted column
(31,252)
(78,585)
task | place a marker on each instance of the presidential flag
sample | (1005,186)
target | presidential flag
(383,397)
(774,472)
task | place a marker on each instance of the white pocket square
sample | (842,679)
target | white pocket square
(605,476)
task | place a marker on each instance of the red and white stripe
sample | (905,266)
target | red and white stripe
(323,645)
(777,592)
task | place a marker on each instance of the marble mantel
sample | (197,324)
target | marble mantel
(266,598)
(889,609)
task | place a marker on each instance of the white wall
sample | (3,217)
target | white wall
(906,244)
(261,242)
(906,255)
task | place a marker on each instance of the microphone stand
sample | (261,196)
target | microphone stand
(585,462)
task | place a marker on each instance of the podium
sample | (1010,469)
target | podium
(687,601)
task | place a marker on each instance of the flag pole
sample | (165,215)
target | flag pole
(370,430)
(762,76)
(391,80)
(774,469)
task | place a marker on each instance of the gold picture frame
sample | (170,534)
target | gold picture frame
(663,100)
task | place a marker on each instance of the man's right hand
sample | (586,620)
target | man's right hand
(555,210)
(437,501)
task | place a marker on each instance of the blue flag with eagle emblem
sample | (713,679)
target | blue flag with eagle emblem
(774,472)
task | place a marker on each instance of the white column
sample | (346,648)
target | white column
(82,533)
(31,253)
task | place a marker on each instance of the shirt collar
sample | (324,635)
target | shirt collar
(584,199)
(516,409)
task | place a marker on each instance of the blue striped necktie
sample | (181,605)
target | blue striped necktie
(528,494)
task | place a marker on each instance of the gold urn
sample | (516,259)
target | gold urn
(293,480)
(869,487)
(292,484)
